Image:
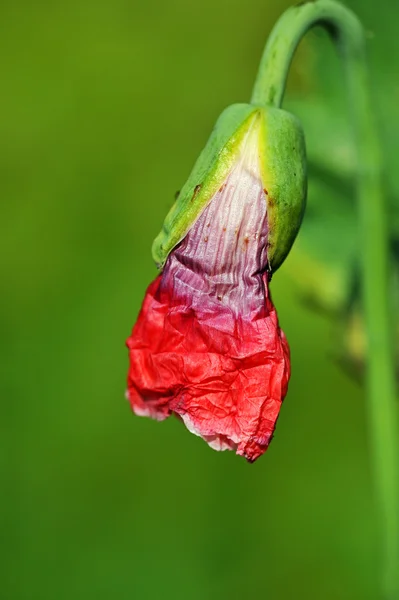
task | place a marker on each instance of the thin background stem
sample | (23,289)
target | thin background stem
(348,36)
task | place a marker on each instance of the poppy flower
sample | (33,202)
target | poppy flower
(207,345)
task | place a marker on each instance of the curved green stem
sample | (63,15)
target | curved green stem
(348,35)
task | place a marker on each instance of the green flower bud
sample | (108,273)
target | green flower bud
(281,151)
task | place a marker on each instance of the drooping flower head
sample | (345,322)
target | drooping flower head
(207,345)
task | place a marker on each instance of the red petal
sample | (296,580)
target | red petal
(224,375)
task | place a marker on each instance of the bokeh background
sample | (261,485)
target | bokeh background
(104,109)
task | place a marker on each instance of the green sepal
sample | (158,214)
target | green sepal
(284,179)
(283,170)
(209,173)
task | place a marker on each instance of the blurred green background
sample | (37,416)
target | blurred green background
(104,109)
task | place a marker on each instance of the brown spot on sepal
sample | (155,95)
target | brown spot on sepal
(270,201)
(222,187)
(196,191)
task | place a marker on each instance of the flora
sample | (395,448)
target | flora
(207,345)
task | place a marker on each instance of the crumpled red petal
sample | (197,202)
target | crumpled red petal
(224,375)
